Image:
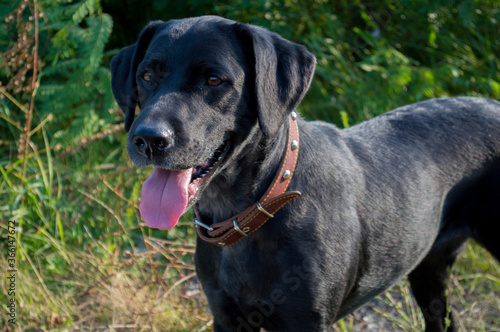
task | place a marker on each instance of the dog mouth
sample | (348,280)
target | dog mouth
(201,173)
(167,194)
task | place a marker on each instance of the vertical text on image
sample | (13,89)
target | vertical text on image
(11,270)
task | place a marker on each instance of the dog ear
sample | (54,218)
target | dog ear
(283,73)
(123,71)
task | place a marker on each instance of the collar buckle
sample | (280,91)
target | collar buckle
(239,230)
(199,223)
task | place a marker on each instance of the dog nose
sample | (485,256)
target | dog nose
(151,141)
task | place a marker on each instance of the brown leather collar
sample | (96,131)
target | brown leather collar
(233,230)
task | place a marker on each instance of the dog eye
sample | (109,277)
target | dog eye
(214,81)
(147,76)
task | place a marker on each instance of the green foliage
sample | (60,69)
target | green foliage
(74,194)
(78,81)
(374,56)
(74,84)
(46,187)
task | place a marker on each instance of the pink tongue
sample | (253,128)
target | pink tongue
(164,197)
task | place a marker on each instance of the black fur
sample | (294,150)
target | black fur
(394,196)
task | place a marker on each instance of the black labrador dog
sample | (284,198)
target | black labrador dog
(394,196)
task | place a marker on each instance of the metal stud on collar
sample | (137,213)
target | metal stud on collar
(287,175)
(294,115)
(295,145)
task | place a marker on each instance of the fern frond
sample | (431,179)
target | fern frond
(97,35)
(86,8)
(63,68)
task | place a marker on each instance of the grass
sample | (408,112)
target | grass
(473,294)
(155,289)
(85,263)
(84,260)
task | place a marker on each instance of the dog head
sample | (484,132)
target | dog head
(200,84)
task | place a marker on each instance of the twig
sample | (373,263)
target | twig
(13,100)
(120,195)
(112,327)
(177,283)
(206,326)
(84,141)
(27,128)
(110,210)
